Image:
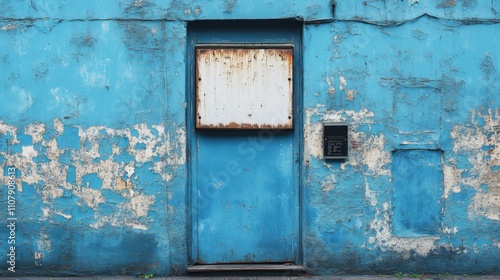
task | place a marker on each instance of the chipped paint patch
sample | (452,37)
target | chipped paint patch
(479,143)
(58,126)
(406,246)
(331,85)
(343,83)
(43,243)
(4,128)
(52,178)
(36,131)
(133,214)
(313,131)
(29,153)
(350,94)
(330,183)
(91,197)
(370,194)
(139,205)
(9,27)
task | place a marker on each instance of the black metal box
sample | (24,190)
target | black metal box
(335,140)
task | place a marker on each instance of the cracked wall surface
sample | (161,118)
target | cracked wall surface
(422,87)
(93,123)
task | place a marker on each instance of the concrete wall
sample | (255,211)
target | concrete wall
(92,130)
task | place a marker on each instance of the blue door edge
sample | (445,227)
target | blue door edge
(284,32)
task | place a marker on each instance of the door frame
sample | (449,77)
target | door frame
(256,33)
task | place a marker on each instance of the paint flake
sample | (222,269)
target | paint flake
(165,150)
(469,141)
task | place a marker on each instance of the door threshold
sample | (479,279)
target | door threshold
(244,267)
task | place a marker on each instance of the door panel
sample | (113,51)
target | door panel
(243,174)
(245,197)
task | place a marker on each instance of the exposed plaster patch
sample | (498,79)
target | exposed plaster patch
(46,213)
(330,183)
(53,174)
(9,27)
(53,152)
(107,170)
(373,155)
(43,243)
(165,150)
(58,126)
(370,194)
(197,11)
(138,3)
(451,177)
(29,152)
(35,130)
(123,185)
(139,205)
(91,197)
(66,216)
(479,143)
(128,213)
(313,131)
(4,128)
(343,83)
(177,159)
(331,86)
(118,220)
(447,230)
(405,246)
(160,167)
(350,94)
(38,255)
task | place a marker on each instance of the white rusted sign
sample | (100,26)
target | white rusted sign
(244,88)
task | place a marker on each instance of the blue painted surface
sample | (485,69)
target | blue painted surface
(417,178)
(245,192)
(246,198)
(96,92)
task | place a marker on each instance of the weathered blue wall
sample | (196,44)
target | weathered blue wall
(93,121)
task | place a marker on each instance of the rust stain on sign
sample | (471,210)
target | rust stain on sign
(244,88)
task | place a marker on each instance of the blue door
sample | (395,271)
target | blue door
(244,178)
(245,197)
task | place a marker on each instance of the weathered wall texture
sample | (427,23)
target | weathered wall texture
(93,121)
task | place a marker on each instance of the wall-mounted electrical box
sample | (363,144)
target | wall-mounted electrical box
(335,140)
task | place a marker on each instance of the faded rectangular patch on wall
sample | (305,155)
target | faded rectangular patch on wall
(418,190)
(417,116)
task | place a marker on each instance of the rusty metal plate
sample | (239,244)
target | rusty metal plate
(244,88)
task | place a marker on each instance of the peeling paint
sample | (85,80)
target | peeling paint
(350,94)
(90,196)
(4,128)
(403,245)
(479,143)
(93,179)
(36,131)
(313,143)
(343,83)
(9,27)
(331,85)
(115,175)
